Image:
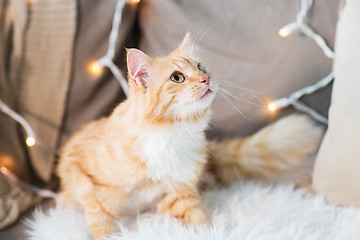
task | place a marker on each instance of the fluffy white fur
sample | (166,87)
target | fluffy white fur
(180,160)
(246,210)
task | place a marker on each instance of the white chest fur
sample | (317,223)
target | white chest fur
(173,154)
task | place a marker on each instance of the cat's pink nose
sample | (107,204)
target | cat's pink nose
(205,80)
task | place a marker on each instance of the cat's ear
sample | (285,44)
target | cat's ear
(139,67)
(186,43)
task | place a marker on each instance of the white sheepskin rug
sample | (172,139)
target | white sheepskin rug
(246,210)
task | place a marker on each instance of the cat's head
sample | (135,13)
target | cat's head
(177,86)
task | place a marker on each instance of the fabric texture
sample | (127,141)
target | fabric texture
(239,43)
(13,201)
(13,17)
(45,74)
(336,173)
(93,96)
(47,47)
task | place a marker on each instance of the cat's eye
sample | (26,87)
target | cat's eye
(177,77)
(201,68)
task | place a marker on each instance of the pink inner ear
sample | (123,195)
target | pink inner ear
(138,67)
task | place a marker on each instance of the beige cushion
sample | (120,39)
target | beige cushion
(93,96)
(39,82)
(45,74)
(242,46)
(337,169)
(11,32)
(13,199)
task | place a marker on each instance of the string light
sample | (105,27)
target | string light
(95,68)
(293,99)
(278,104)
(4,171)
(283,32)
(272,107)
(288,29)
(41,192)
(299,24)
(7,161)
(30,140)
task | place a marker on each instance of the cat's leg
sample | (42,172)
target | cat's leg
(101,207)
(186,205)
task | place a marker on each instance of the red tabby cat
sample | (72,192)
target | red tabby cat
(154,141)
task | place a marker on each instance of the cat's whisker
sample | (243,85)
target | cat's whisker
(242,92)
(240,99)
(237,88)
(243,97)
(196,43)
(230,76)
(175,122)
(210,152)
(243,89)
(239,92)
(190,121)
(199,118)
(195,40)
(247,91)
(181,118)
(233,105)
(210,128)
(221,81)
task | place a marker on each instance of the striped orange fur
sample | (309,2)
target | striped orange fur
(152,152)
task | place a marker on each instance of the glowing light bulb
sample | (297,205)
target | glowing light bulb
(95,68)
(4,170)
(288,29)
(133,1)
(8,173)
(283,32)
(30,141)
(279,104)
(271,107)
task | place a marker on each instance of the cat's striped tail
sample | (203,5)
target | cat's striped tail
(267,153)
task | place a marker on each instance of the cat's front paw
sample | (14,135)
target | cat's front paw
(185,206)
(100,232)
(195,217)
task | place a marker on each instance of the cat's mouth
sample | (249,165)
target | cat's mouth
(208,92)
